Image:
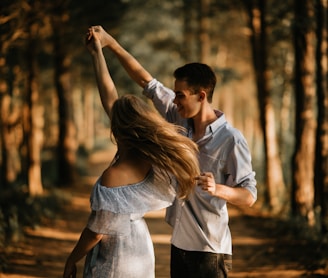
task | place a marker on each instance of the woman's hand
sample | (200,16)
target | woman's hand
(70,270)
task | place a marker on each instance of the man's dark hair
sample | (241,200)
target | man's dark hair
(198,76)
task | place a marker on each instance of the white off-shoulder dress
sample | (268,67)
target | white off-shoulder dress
(126,249)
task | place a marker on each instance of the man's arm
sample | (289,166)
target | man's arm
(106,86)
(238,196)
(135,70)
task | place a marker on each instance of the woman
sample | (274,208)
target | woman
(150,152)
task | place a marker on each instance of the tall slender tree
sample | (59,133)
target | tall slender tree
(273,167)
(67,142)
(305,95)
(204,31)
(33,128)
(190,49)
(12,28)
(321,169)
(24,22)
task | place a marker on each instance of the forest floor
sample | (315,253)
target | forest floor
(262,246)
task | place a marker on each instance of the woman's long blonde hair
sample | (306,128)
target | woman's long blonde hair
(140,129)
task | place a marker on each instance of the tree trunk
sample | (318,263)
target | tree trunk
(34,120)
(274,173)
(67,143)
(204,37)
(304,156)
(10,164)
(5,100)
(191,45)
(321,173)
(10,114)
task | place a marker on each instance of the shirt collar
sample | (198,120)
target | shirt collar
(212,127)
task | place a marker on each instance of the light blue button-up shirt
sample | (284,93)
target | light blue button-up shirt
(201,223)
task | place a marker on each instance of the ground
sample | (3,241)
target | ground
(262,246)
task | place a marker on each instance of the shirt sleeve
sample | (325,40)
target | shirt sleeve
(162,98)
(240,172)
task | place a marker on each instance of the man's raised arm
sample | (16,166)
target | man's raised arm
(135,70)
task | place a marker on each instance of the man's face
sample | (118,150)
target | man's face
(187,101)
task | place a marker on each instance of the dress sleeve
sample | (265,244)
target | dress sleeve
(109,223)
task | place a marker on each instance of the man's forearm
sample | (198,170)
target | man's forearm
(135,70)
(235,195)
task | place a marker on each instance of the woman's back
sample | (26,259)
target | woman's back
(125,170)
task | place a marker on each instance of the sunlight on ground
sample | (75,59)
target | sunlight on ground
(14,276)
(64,235)
(52,233)
(269,273)
(251,241)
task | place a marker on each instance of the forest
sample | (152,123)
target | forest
(270,58)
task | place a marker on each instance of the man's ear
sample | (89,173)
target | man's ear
(202,95)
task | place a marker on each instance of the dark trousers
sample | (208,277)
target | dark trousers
(194,264)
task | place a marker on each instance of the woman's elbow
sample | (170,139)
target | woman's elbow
(92,235)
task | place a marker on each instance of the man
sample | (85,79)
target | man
(201,243)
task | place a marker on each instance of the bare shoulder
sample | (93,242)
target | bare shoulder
(123,175)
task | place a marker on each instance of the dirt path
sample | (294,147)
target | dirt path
(263,247)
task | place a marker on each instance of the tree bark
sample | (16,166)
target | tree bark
(67,142)
(204,37)
(274,174)
(4,115)
(9,120)
(304,156)
(321,169)
(190,22)
(10,114)
(33,117)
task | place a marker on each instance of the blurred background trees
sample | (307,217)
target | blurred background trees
(270,58)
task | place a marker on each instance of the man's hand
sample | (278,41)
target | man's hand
(206,182)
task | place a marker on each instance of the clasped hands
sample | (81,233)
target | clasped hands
(99,36)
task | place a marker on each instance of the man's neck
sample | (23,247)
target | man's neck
(202,120)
